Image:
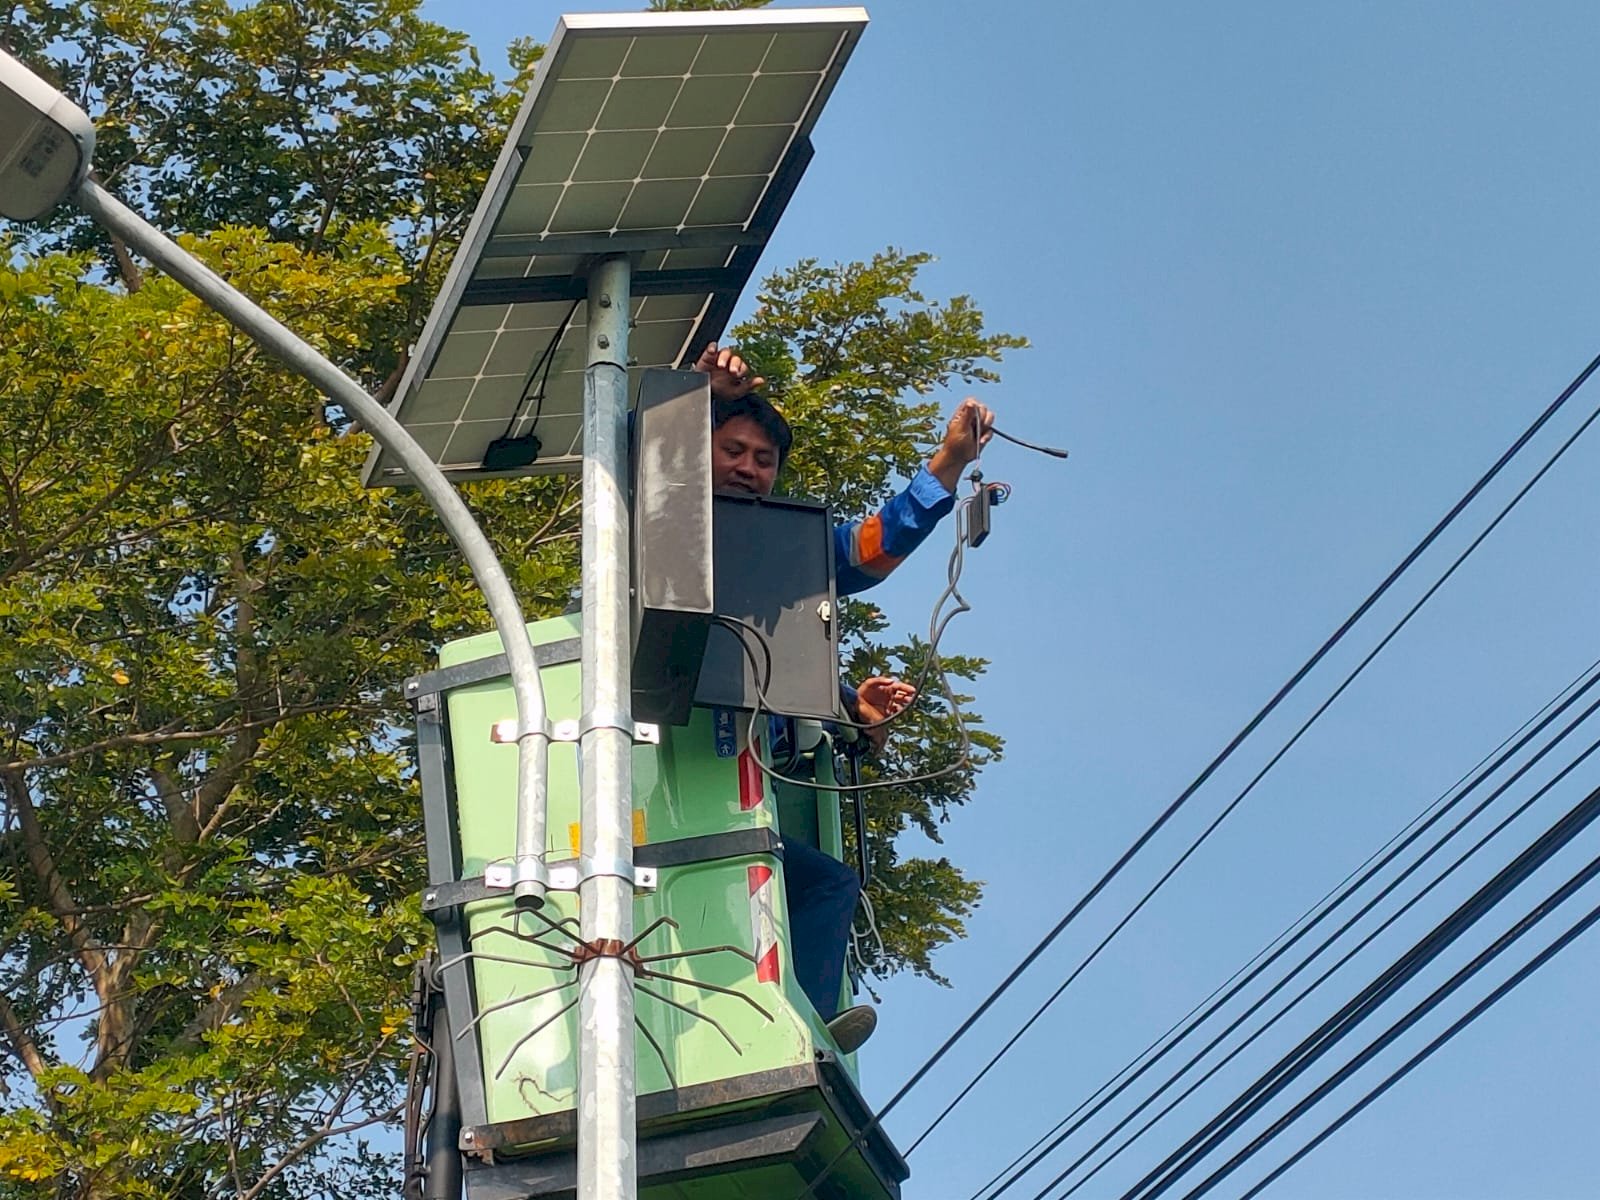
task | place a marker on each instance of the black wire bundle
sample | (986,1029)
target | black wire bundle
(1300,1059)
(1562,941)
(1365,1002)
(1331,903)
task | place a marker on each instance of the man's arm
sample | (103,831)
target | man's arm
(865,552)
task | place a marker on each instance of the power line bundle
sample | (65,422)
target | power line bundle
(1341,895)
(1368,999)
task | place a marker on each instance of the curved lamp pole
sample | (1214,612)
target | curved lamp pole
(46,144)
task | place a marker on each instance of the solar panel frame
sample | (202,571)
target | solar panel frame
(519,271)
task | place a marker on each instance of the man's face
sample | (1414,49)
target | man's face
(743,457)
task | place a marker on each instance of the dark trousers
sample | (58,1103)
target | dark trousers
(822,893)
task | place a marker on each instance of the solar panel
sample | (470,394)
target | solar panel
(676,138)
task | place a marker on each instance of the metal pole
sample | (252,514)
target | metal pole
(444,1129)
(533,737)
(607,1169)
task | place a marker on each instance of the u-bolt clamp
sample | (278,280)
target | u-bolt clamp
(624,952)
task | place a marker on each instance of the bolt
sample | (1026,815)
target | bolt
(602,341)
(605,301)
(430,897)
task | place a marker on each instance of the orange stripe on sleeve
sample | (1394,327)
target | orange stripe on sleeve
(870,554)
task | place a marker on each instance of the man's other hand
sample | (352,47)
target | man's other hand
(879,698)
(730,374)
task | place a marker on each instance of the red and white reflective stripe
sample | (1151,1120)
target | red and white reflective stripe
(749,781)
(763,924)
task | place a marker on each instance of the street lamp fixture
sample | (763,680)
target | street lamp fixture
(46,142)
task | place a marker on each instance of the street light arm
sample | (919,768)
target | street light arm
(533,737)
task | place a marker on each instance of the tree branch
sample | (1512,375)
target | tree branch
(169,736)
(21,1042)
(311,1141)
(62,905)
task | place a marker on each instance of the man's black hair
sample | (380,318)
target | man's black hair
(760,410)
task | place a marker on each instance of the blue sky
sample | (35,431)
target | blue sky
(1294,275)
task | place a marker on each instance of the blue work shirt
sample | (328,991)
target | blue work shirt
(865,552)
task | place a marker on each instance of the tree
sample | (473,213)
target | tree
(211,838)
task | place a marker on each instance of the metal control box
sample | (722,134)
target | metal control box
(774,589)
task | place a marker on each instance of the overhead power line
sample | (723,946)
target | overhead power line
(1288,1068)
(1505,941)
(1571,934)
(1160,1047)
(1206,833)
(1294,1003)
(1341,895)
(1211,768)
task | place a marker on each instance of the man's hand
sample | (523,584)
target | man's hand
(879,698)
(965,437)
(730,374)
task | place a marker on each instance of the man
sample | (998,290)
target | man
(749,443)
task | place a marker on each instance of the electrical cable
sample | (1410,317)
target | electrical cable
(739,627)
(1052,451)
(1572,933)
(1216,763)
(546,359)
(982,1193)
(1338,895)
(1206,833)
(1288,1068)
(1525,924)
(1328,973)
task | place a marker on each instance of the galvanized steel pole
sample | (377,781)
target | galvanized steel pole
(533,735)
(607,1167)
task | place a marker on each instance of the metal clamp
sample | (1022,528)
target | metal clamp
(502,732)
(505,732)
(511,874)
(617,719)
(569,874)
(642,878)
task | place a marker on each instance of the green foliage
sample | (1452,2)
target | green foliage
(211,839)
(300,117)
(844,348)
(704,5)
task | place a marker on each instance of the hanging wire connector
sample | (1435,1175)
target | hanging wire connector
(985,498)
